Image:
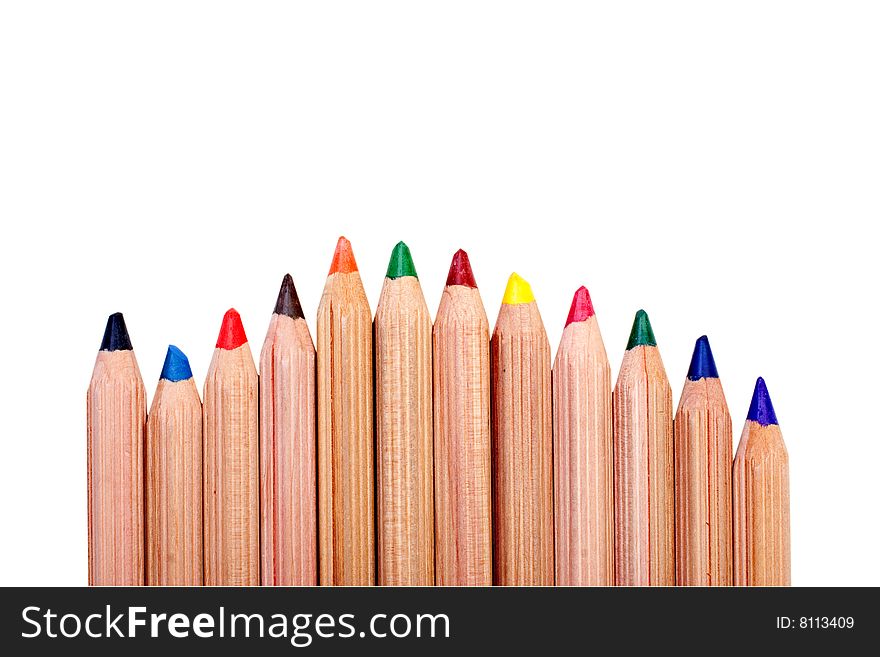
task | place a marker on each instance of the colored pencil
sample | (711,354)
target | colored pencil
(116,414)
(703,462)
(231,467)
(582,451)
(174,477)
(288,506)
(644,536)
(522,442)
(404,431)
(761,531)
(345,427)
(462,442)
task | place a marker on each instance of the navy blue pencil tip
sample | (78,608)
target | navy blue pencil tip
(176,367)
(116,334)
(702,362)
(761,409)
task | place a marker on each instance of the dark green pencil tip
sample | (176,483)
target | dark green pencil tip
(642,335)
(401,263)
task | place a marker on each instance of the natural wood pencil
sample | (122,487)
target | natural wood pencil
(116,414)
(644,536)
(762,539)
(174,477)
(404,431)
(288,494)
(231,461)
(345,427)
(522,442)
(703,462)
(462,443)
(582,452)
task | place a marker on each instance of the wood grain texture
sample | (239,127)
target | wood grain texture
(582,455)
(231,470)
(462,440)
(522,448)
(404,436)
(288,435)
(761,515)
(644,536)
(116,415)
(703,493)
(346,540)
(174,486)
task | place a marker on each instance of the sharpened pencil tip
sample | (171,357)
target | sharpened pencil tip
(176,367)
(702,362)
(518,291)
(761,408)
(401,263)
(288,300)
(642,335)
(581,306)
(460,272)
(231,331)
(116,334)
(343,258)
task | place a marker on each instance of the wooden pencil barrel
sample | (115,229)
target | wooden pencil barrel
(761,512)
(462,440)
(404,436)
(174,486)
(582,454)
(346,538)
(703,492)
(231,470)
(288,434)
(522,448)
(116,415)
(644,543)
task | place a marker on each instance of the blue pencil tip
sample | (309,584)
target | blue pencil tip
(761,409)
(702,362)
(176,367)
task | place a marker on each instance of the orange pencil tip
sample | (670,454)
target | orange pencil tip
(343,258)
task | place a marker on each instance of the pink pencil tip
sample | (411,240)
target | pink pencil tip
(581,306)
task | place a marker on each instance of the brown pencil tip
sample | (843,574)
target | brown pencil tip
(288,300)
(343,258)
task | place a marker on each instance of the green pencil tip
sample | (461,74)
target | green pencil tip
(642,335)
(401,263)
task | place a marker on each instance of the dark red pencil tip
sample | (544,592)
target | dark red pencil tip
(460,272)
(581,306)
(343,258)
(231,331)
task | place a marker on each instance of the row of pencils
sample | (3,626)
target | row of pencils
(402,452)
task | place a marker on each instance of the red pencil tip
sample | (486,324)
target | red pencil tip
(581,306)
(231,331)
(460,272)
(343,258)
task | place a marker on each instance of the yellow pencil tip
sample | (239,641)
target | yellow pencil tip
(518,290)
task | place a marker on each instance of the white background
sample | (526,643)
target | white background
(717,166)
